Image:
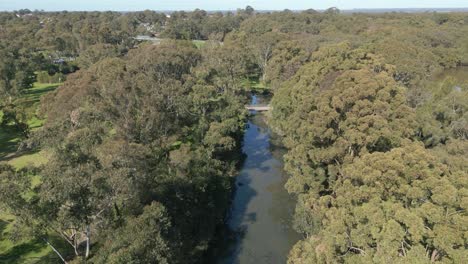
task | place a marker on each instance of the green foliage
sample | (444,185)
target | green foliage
(143,239)
(365,193)
(142,141)
(287,58)
(14,249)
(126,133)
(44,77)
(23,111)
(403,203)
(445,114)
(95,53)
(199,25)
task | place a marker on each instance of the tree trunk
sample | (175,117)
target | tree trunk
(224,36)
(87,241)
(55,250)
(75,243)
(435,255)
(264,74)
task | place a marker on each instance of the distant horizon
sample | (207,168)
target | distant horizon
(258,10)
(216,5)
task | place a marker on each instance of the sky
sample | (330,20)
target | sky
(133,5)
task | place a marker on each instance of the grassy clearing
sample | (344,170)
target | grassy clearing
(31,101)
(255,84)
(31,251)
(9,137)
(24,251)
(34,94)
(199,43)
(27,252)
(31,159)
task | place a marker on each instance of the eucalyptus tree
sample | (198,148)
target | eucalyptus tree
(133,138)
(402,206)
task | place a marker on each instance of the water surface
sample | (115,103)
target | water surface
(262,210)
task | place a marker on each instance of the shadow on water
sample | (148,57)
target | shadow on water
(258,229)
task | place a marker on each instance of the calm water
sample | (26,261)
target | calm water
(262,210)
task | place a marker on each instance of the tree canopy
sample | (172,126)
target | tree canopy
(143,138)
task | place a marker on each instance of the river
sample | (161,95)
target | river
(260,218)
(259,223)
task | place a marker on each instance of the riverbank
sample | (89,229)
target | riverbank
(258,228)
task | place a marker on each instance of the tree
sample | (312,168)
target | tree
(144,239)
(262,49)
(224,66)
(95,53)
(43,77)
(401,206)
(9,89)
(13,83)
(14,189)
(444,115)
(332,11)
(352,112)
(249,10)
(147,135)
(287,58)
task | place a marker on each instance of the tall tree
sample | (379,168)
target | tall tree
(402,206)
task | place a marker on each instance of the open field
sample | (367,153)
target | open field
(23,251)
(9,138)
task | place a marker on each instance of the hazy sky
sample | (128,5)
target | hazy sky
(130,5)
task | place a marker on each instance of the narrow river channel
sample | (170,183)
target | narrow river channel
(259,223)
(262,210)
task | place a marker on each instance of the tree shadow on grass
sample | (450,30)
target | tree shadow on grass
(16,253)
(51,257)
(9,139)
(3,225)
(34,95)
(32,251)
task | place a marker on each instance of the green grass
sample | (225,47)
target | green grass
(29,251)
(24,251)
(9,137)
(34,94)
(199,43)
(255,84)
(34,159)
(31,100)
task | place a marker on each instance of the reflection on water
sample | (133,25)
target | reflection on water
(262,210)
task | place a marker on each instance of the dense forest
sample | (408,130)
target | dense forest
(129,153)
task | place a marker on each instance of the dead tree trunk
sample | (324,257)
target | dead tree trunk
(88,241)
(55,250)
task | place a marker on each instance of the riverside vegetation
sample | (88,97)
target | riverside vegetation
(132,158)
